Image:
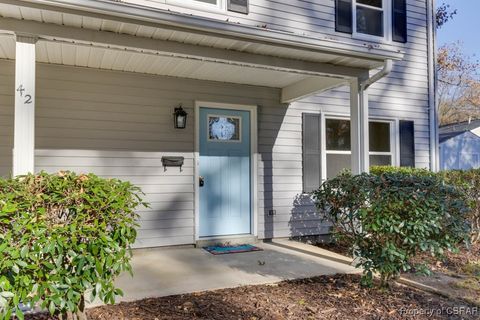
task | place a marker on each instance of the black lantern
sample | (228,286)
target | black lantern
(180,118)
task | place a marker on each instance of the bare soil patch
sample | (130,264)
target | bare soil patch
(326,297)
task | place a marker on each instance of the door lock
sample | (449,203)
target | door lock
(201,181)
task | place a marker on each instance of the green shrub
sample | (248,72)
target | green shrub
(379,170)
(61,236)
(389,218)
(468,181)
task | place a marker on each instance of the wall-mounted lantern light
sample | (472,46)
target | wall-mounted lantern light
(180,118)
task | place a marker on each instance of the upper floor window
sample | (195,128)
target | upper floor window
(239,6)
(369,17)
(383,20)
(200,4)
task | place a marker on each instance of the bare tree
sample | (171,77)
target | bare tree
(458,85)
(444,14)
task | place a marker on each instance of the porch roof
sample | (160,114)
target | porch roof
(123,37)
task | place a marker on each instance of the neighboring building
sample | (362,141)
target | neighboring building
(460,145)
(269,88)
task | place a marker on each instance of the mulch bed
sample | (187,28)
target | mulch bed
(337,247)
(326,297)
(452,263)
(457,274)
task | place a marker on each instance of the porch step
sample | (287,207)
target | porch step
(228,240)
(312,250)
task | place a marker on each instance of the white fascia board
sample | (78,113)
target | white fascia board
(111,9)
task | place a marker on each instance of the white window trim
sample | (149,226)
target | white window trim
(192,4)
(394,140)
(387,22)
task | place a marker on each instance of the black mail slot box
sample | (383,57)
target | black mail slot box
(172,161)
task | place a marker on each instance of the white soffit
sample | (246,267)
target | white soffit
(146,31)
(130,61)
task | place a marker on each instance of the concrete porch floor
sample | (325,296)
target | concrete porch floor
(171,271)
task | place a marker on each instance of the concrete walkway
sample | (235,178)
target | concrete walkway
(170,271)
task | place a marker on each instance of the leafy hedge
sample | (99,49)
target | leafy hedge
(409,171)
(61,236)
(389,218)
(466,181)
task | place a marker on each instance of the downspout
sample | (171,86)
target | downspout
(432,87)
(387,68)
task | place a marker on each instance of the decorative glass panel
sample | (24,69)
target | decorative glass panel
(379,133)
(369,21)
(223,128)
(338,134)
(336,163)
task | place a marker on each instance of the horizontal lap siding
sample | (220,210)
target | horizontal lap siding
(115,112)
(7,82)
(280,175)
(403,94)
(119,125)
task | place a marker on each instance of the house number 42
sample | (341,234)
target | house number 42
(23,94)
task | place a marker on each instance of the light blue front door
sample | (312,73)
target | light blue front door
(225,204)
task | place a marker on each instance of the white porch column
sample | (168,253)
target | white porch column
(24,132)
(359,128)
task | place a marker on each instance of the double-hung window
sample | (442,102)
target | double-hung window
(377,20)
(327,146)
(338,147)
(369,17)
(198,4)
(239,6)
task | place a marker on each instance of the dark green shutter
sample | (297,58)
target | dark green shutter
(312,152)
(343,16)
(407,143)
(399,20)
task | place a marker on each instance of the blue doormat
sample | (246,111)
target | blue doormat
(218,250)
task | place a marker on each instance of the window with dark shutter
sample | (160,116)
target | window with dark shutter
(240,6)
(399,20)
(343,16)
(312,150)
(407,143)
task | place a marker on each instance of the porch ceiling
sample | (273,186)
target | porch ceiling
(150,63)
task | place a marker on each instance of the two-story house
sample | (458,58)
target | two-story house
(225,112)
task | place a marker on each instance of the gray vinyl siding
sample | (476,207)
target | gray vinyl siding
(7,82)
(403,94)
(119,124)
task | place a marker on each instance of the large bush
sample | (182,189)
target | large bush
(468,181)
(389,218)
(61,236)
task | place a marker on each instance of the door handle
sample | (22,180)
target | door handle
(201,181)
